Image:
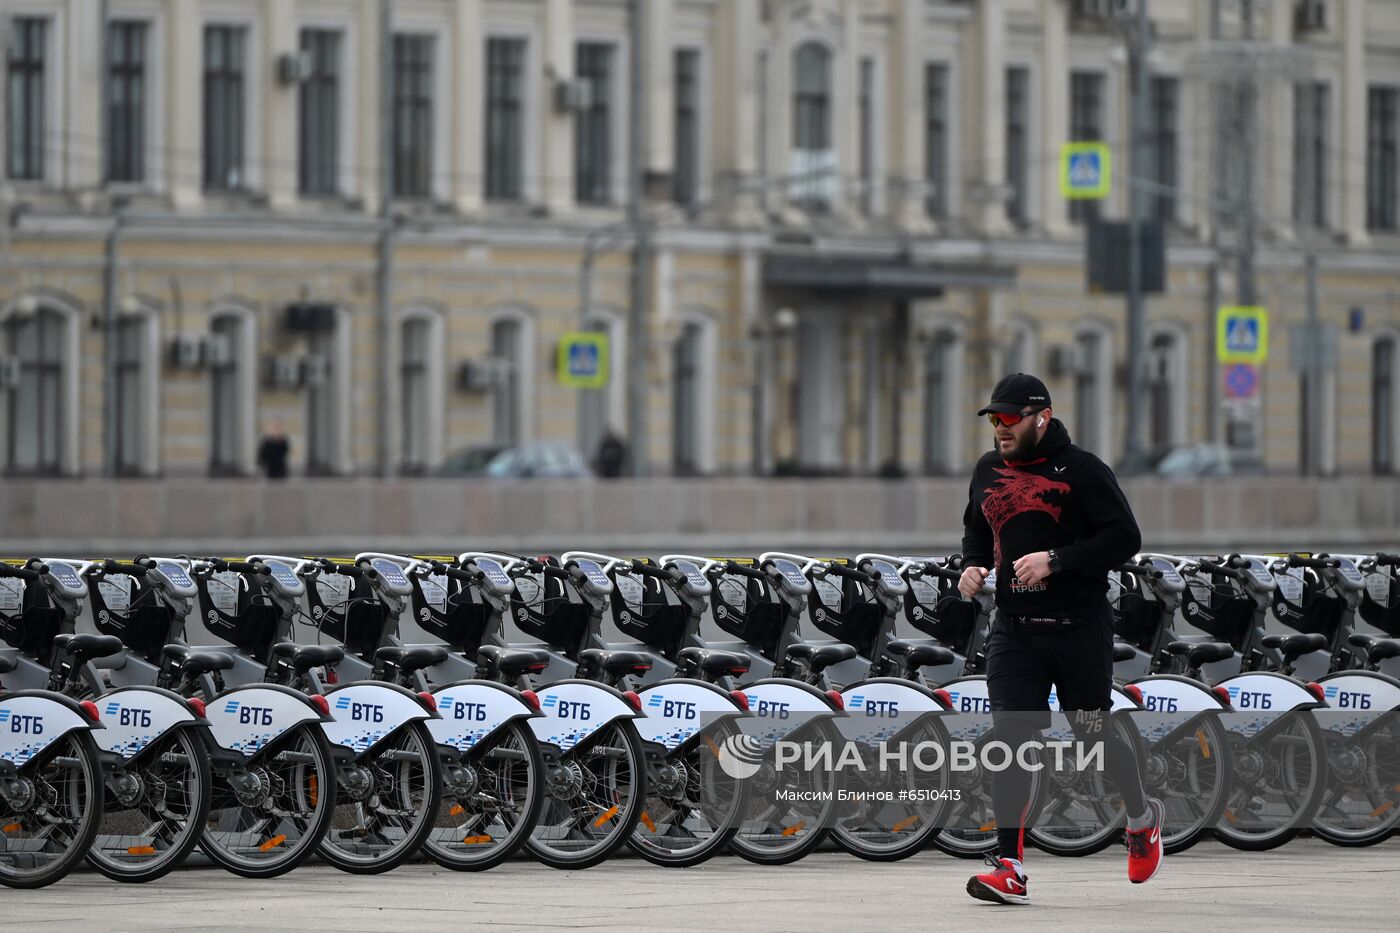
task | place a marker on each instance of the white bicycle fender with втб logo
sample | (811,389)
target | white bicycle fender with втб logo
(471,711)
(1257,700)
(775,709)
(1366,694)
(1168,694)
(134,717)
(574,711)
(676,711)
(365,714)
(247,718)
(30,724)
(877,710)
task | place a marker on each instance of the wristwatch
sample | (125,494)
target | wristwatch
(1054,561)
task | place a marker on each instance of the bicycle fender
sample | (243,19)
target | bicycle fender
(778,706)
(575,709)
(879,708)
(32,720)
(1120,701)
(364,714)
(1356,698)
(471,710)
(137,716)
(245,719)
(1170,693)
(1259,698)
(677,709)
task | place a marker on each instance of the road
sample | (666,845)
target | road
(1307,885)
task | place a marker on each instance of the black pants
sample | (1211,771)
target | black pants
(1023,662)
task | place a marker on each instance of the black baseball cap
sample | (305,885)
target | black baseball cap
(1016,392)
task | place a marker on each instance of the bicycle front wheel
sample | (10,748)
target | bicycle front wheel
(693,805)
(594,794)
(156,809)
(1362,805)
(1279,779)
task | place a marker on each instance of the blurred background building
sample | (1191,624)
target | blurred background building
(815,231)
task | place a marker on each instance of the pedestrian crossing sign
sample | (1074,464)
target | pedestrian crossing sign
(1086,171)
(583,360)
(1242,335)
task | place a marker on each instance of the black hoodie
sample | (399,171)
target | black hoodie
(1062,498)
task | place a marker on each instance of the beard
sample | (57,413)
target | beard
(1022,449)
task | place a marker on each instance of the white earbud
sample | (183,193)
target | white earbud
(1040,422)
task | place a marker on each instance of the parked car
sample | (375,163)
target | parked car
(469,461)
(543,459)
(1194,460)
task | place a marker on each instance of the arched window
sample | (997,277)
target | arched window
(693,387)
(1384,410)
(944,417)
(232,391)
(512,337)
(420,390)
(41,436)
(138,386)
(1093,367)
(1166,390)
(813,156)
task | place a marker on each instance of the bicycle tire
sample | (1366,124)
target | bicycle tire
(1075,841)
(455,841)
(1230,830)
(693,772)
(796,834)
(1375,784)
(380,839)
(619,803)
(81,749)
(311,788)
(142,790)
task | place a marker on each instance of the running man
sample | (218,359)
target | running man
(1051,519)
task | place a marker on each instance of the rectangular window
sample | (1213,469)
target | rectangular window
(318,163)
(131,330)
(1310,110)
(686,180)
(224,103)
(593,125)
(26,99)
(936,138)
(867,136)
(413,116)
(505,118)
(1382,158)
(1086,123)
(1165,96)
(126,103)
(1018,134)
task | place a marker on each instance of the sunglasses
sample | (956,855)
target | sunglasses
(1010,419)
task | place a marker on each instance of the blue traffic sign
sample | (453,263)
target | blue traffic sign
(583,360)
(1242,335)
(1241,380)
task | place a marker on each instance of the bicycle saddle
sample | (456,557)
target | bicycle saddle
(616,663)
(714,663)
(86,646)
(1294,646)
(1377,649)
(916,656)
(819,657)
(305,657)
(413,658)
(1203,652)
(7,664)
(198,662)
(510,661)
(1123,652)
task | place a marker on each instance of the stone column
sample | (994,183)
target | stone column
(1054,114)
(467,100)
(556,190)
(279,155)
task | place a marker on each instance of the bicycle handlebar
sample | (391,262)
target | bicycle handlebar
(22,573)
(850,573)
(350,570)
(1141,570)
(1221,569)
(929,567)
(647,570)
(1387,560)
(219,565)
(1317,563)
(549,570)
(744,571)
(130,569)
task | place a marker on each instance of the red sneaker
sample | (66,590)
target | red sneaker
(1005,885)
(1145,845)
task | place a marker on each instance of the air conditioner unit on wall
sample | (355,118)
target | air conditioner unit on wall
(315,370)
(218,350)
(481,375)
(282,371)
(1101,9)
(294,67)
(1064,359)
(10,372)
(571,94)
(187,351)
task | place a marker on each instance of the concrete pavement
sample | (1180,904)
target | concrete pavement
(1306,885)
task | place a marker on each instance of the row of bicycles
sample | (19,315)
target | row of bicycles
(470,708)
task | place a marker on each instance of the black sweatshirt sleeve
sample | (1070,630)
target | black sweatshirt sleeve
(977,534)
(1113,531)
